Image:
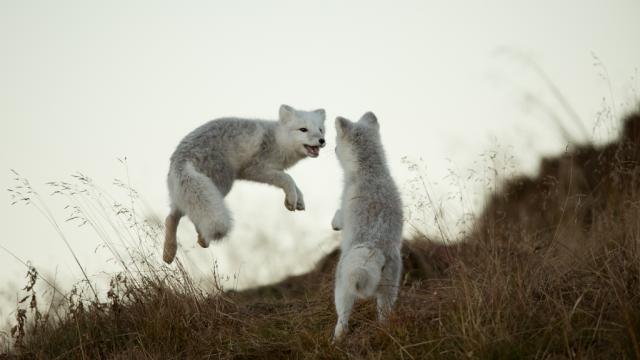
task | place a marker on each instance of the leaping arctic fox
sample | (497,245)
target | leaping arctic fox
(370,218)
(208,160)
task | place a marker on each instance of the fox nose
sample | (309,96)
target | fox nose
(321,141)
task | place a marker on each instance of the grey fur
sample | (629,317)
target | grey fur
(210,158)
(371,221)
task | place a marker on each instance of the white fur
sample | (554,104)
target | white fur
(370,219)
(361,270)
(203,202)
(210,158)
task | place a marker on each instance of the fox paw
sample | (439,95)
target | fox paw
(291,203)
(205,243)
(169,253)
(216,230)
(300,203)
(338,333)
(202,242)
(336,223)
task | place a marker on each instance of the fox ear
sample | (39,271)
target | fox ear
(370,119)
(286,112)
(321,113)
(343,126)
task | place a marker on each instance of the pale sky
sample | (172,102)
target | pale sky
(83,83)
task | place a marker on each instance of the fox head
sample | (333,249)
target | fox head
(358,143)
(304,130)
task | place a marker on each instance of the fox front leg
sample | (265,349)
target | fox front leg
(279,178)
(336,223)
(291,191)
(300,202)
(292,200)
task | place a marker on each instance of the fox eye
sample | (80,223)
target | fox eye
(303,129)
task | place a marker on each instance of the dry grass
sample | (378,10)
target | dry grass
(551,271)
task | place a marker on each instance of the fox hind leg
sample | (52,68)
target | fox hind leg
(203,202)
(170,241)
(387,292)
(344,300)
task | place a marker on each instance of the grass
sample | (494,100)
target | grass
(549,270)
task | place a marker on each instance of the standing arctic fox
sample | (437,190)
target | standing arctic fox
(208,160)
(370,218)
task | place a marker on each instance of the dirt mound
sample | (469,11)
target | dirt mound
(556,210)
(422,259)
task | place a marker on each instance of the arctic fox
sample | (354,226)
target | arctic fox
(370,218)
(208,160)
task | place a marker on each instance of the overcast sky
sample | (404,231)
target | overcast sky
(83,83)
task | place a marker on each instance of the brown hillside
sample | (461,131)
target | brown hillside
(550,271)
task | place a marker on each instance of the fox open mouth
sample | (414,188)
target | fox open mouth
(312,151)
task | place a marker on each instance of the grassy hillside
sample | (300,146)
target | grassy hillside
(551,270)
